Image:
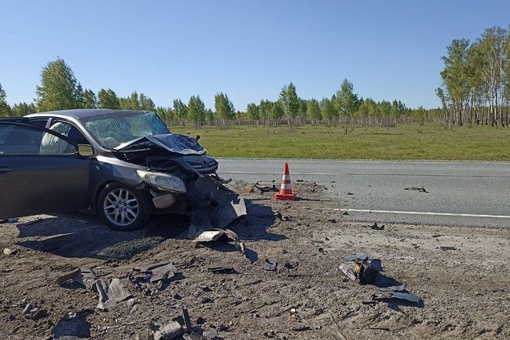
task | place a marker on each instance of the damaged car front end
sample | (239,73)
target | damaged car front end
(182,179)
(124,165)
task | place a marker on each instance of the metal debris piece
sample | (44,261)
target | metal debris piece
(158,271)
(218,234)
(110,292)
(398,295)
(348,270)
(269,266)
(209,236)
(84,276)
(75,275)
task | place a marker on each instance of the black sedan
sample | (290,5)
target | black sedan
(121,164)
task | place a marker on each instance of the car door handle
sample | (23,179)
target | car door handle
(5,169)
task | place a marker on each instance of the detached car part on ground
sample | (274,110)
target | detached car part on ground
(123,165)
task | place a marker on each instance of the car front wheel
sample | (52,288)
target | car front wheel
(123,208)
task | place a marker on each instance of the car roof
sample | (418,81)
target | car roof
(80,113)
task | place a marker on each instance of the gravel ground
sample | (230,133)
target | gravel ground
(460,275)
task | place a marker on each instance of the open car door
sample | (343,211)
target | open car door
(40,172)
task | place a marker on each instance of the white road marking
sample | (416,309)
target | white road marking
(423,213)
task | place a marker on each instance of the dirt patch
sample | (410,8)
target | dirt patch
(459,273)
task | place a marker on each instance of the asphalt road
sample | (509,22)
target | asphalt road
(457,193)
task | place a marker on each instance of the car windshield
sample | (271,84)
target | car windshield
(111,131)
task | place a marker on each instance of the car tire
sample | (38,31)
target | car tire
(123,208)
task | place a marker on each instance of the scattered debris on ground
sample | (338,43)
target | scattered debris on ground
(437,282)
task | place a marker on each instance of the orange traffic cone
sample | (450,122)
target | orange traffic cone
(286,188)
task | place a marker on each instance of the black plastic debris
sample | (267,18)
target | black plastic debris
(291,264)
(376,227)
(223,270)
(419,189)
(269,266)
(264,188)
(187,320)
(157,271)
(446,248)
(360,268)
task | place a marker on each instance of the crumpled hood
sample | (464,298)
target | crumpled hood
(172,142)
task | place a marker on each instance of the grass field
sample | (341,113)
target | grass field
(403,142)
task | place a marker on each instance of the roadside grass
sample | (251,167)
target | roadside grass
(403,142)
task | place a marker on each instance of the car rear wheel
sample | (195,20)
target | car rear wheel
(123,208)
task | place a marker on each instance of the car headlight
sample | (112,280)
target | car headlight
(163,181)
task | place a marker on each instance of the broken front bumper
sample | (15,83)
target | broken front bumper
(213,206)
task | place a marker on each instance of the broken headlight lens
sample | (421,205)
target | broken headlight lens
(163,181)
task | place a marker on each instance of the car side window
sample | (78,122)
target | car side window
(18,139)
(52,144)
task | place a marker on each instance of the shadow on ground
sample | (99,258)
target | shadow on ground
(82,235)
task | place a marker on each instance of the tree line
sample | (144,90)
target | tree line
(475,89)
(59,89)
(476,80)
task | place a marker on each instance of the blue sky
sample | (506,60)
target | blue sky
(388,49)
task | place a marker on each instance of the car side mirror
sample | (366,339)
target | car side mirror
(85,150)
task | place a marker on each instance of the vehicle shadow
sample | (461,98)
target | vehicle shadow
(82,235)
(256,225)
